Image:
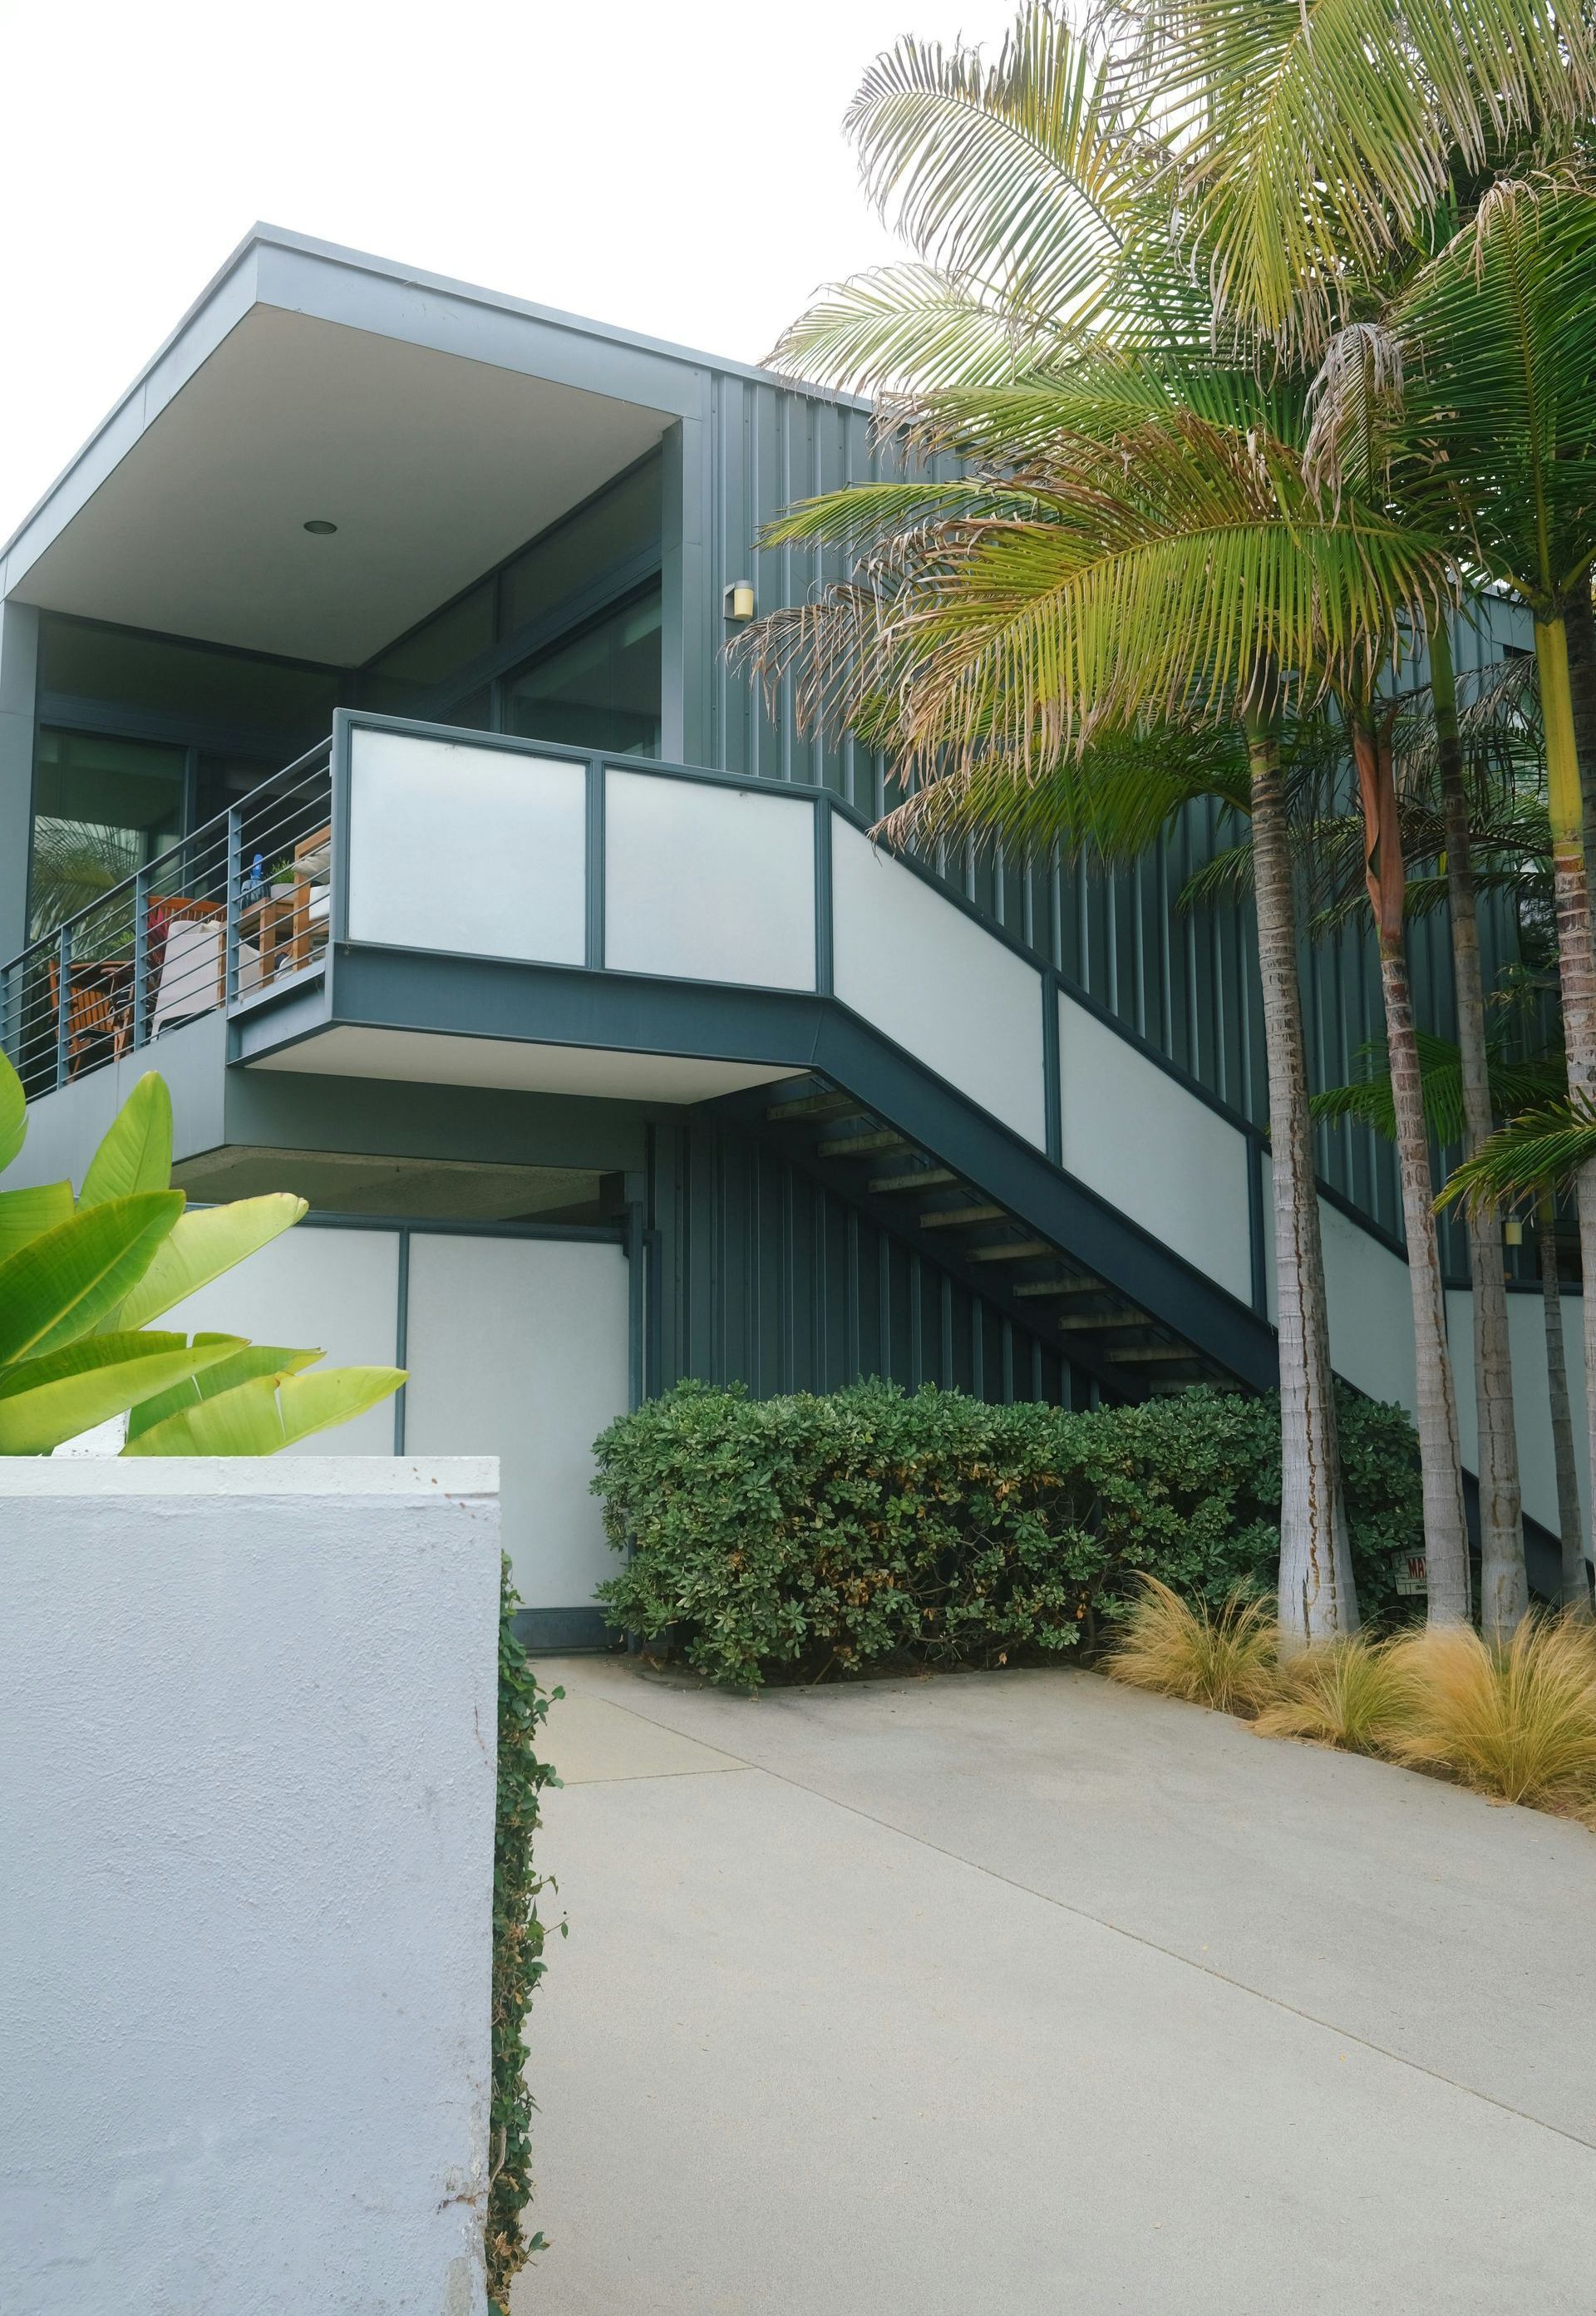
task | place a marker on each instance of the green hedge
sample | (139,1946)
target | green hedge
(518,1950)
(812,1535)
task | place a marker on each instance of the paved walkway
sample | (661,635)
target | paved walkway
(1020,1992)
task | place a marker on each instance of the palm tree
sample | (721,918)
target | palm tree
(1149,562)
(1538,1154)
(1045,335)
(1327,146)
(1516,1083)
(1498,343)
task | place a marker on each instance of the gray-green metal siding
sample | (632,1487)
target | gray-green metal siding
(765,1275)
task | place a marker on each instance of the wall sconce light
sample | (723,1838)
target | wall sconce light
(1512,1232)
(739,600)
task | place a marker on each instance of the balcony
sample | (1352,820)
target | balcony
(426,904)
(241,905)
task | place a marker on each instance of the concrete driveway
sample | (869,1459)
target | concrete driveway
(1022,1992)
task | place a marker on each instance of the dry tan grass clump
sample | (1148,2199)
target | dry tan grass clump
(1356,1694)
(1518,1722)
(1225,1658)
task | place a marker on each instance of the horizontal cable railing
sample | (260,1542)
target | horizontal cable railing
(228,911)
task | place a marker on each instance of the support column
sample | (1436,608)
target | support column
(19,655)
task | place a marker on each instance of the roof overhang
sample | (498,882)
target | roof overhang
(438,426)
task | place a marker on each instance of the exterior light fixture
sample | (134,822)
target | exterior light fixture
(320,528)
(1512,1232)
(739,600)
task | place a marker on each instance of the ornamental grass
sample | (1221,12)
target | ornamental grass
(1357,1694)
(1517,1723)
(1223,1657)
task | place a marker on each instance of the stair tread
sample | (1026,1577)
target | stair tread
(812,1105)
(951,1218)
(1083,1321)
(1152,1352)
(923,1178)
(1014,1249)
(861,1145)
(1059,1287)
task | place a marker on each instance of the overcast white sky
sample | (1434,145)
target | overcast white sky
(676,168)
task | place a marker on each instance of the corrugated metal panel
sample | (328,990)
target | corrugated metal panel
(766,1276)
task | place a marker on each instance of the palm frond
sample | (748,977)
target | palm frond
(1151,576)
(1545,1149)
(1516,1085)
(1032,175)
(1113,799)
(1316,134)
(1499,335)
(911,329)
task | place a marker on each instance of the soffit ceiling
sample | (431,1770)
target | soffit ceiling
(433,467)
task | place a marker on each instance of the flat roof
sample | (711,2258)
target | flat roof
(356,291)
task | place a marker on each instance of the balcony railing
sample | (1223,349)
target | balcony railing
(235,908)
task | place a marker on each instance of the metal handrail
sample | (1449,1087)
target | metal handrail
(89,991)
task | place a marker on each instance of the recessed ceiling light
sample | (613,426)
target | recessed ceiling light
(320,528)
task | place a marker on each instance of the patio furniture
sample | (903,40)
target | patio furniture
(99,1006)
(192,975)
(312,900)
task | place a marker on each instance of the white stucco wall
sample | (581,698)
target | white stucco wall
(247,1716)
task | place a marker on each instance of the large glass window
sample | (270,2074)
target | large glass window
(101,809)
(192,685)
(597,683)
(402,682)
(599,688)
(617,527)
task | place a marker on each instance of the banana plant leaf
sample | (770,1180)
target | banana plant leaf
(26,1215)
(242,1365)
(204,1244)
(268,1413)
(135,1153)
(14,1113)
(48,1400)
(64,1283)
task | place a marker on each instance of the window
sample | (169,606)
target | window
(402,680)
(192,686)
(101,809)
(617,527)
(600,689)
(574,614)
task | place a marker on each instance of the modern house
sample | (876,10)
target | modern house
(369,764)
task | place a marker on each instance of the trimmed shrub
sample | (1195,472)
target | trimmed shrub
(813,1536)
(518,1951)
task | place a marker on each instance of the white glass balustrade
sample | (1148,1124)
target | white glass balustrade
(916,967)
(709,883)
(1145,1143)
(468,849)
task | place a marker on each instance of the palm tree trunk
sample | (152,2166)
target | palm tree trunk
(1575,966)
(1446,1529)
(1582,693)
(1576,1586)
(1504,1585)
(1317,1597)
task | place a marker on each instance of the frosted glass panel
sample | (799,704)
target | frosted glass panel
(518,1349)
(928,975)
(467,849)
(1134,1134)
(336,1288)
(709,883)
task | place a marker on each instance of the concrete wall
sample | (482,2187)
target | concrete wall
(246,1822)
